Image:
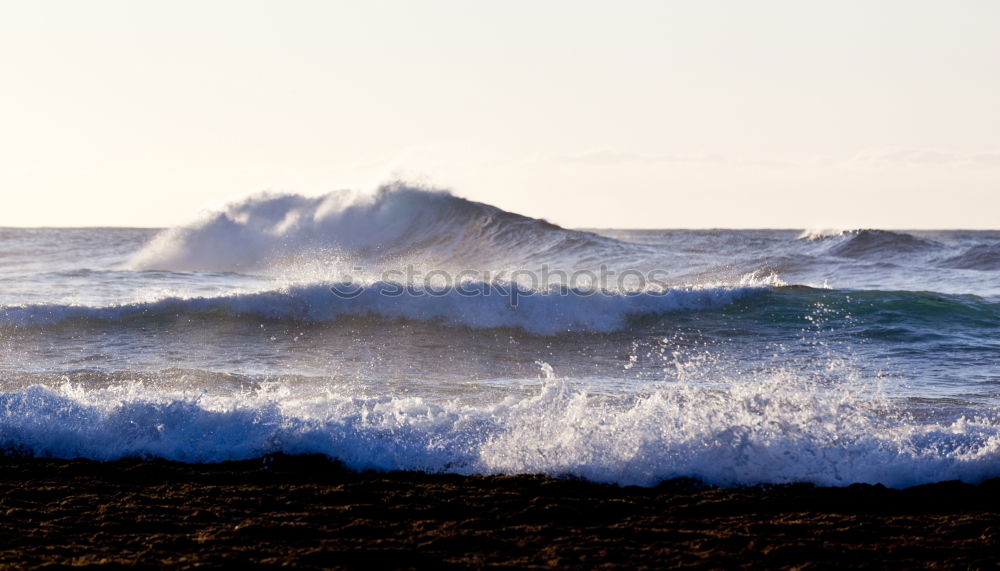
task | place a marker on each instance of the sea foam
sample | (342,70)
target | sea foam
(772,429)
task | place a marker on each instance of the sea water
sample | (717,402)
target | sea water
(411,329)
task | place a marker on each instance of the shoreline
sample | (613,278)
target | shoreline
(309,511)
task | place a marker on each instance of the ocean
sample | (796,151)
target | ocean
(409,329)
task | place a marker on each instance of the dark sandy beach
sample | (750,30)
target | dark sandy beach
(309,512)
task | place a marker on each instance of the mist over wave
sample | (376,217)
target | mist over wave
(395,222)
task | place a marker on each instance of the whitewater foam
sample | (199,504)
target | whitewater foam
(822,233)
(773,429)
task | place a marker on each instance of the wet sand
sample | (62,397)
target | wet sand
(310,512)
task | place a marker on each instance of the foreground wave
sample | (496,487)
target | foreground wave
(778,429)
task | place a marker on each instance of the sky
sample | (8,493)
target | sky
(629,114)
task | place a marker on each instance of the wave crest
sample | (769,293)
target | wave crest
(870,243)
(397,221)
(475,304)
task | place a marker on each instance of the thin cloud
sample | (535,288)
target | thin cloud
(885,157)
(925,157)
(609,157)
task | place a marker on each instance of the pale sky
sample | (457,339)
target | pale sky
(794,114)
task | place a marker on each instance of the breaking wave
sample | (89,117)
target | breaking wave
(775,429)
(395,222)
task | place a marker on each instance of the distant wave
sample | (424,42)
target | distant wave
(776,429)
(985,257)
(872,244)
(397,221)
(869,244)
(478,305)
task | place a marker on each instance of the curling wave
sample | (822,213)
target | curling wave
(475,304)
